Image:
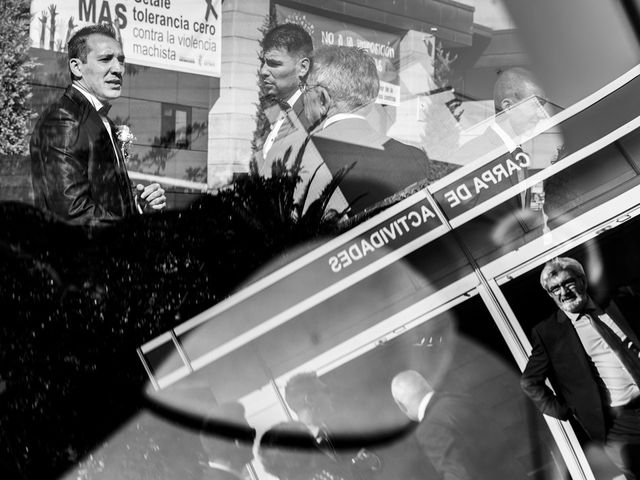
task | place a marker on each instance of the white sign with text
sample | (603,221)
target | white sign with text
(179,35)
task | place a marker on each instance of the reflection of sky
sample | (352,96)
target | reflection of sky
(490,13)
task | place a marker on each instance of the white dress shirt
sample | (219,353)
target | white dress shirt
(275,128)
(615,376)
(340,116)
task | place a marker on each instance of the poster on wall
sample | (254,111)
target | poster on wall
(179,35)
(383,46)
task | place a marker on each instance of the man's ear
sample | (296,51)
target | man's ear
(75,65)
(324,98)
(506,104)
(303,67)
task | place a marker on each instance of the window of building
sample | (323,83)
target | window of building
(175,126)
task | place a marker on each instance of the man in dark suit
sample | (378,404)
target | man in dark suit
(226,440)
(285,61)
(589,354)
(456,434)
(77,164)
(309,397)
(343,83)
(289,451)
(520,107)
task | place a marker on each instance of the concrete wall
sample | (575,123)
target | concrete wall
(232,117)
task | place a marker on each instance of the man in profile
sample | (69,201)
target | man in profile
(589,353)
(77,165)
(285,62)
(457,436)
(342,86)
(519,106)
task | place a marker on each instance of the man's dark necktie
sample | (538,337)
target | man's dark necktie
(324,443)
(627,351)
(104,110)
(523,198)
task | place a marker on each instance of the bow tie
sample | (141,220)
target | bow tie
(104,110)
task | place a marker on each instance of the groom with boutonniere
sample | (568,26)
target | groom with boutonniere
(78,168)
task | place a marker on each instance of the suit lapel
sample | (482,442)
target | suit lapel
(569,341)
(294,119)
(90,115)
(120,167)
(298,110)
(103,151)
(118,151)
(620,314)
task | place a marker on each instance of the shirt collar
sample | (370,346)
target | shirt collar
(294,98)
(340,116)
(219,466)
(422,408)
(504,136)
(93,100)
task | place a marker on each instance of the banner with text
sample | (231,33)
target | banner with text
(179,35)
(384,47)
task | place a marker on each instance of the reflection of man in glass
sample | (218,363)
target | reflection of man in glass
(78,168)
(519,105)
(284,64)
(461,442)
(516,89)
(342,85)
(310,398)
(226,455)
(590,354)
(289,451)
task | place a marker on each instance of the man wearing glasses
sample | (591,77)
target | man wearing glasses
(342,85)
(590,355)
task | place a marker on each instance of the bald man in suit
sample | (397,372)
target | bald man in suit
(460,440)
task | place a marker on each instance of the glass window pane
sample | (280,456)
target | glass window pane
(487,135)
(461,356)
(610,261)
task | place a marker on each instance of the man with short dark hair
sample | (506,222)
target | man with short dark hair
(590,355)
(342,86)
(310,398)
(77,165)
(519,106)
(285,62)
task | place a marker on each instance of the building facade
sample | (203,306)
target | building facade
(444,282)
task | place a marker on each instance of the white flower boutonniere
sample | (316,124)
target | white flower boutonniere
(126,139)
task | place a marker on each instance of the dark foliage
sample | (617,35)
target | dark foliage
(15,70)
(264,102)
(76,303)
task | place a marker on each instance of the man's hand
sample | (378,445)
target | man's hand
(150,196)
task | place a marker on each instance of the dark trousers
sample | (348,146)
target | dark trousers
(623,440)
